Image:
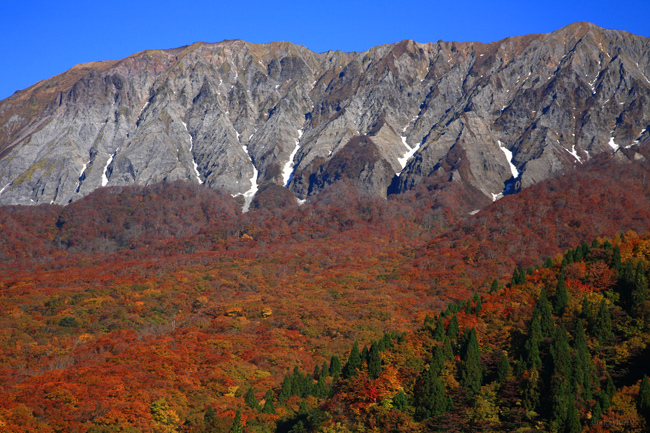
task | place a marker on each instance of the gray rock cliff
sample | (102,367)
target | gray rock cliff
(234,115)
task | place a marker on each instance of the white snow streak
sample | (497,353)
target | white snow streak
(194,164)
(407,155)
(513,169)
(574,153)
(612,144)
(110,159)
(287,171)
(248,195)
(635,141)
(76,188)
(474,212)
(5,187)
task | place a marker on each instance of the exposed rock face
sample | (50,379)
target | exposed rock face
(235,115)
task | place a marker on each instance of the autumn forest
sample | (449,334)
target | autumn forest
(167,309)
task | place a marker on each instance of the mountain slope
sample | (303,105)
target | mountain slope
(235,116)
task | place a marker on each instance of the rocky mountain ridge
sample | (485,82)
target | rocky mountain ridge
(235,116)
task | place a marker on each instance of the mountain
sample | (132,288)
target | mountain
(240,117)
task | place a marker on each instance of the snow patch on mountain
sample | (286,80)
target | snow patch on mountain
(612,144)
(248,195)
(81,175)
(508,153)
(110,159)
(196,167)
(407,155)
(287,171)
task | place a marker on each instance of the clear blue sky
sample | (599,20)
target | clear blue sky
(39,39)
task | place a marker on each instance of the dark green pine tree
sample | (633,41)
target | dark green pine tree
(603,323)
(374,362)
(495,286)
(587,313)
(572,423)
(643,400)
(268,403)
(236,424)
(400,402)
(335,366)
(503,368)
(471,375)
(316,372)
(453,329)
(559,400)
(365,354)
(303,409)
(585,370)
(210,419)
(324,370)
(561,378)
(297,383)
(437,360)
(545,315)
(250,399)
(561,298)
(548,263)
(439,333)
(478,307)
(285,391)
(531,391)
(431,399)
(531,348)
(353,365)
(447,349)
(468,307)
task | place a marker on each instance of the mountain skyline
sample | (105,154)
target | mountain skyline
(41,40)
(237,116)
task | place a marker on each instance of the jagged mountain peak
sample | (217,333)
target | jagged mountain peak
(234,115)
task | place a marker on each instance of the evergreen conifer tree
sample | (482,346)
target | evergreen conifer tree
(478,307)
(439,333)
(471,374)
(250,399)
(354,362)
(210,419)
(561,378)
(431,399)
(603,323)
(585,371)
(531,348)
(468,307)
(365,354)
(236,424)
(572,424)
(545,315)
(374,363)
(503,369)
(335,366)
(285,391)
(495,286)
(400,401)
(268,403)
(561,298)
(643,400)
(453,329)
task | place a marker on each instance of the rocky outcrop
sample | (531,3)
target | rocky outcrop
(234,116)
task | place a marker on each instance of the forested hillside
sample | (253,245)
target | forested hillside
(167,309)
